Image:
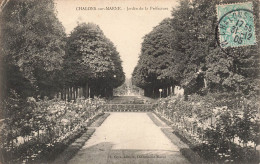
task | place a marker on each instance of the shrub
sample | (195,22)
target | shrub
(41,125)
(219,118)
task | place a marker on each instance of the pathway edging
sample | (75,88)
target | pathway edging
(155,119)
(185,150)
(73,148)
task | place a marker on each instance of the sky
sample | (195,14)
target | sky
(125,28)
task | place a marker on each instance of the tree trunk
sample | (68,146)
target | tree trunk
(84,90)
(165,92)
(61,94)
(87,90)
(81,92)
(105,92)
(64,94)
(73,93)
(90,93)
(153,92)
(205,83)
(68,94)
(77,92)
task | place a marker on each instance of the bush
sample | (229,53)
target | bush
(42,125)
(215,120)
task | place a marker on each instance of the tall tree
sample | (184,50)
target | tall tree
(205,66)
(196,62)
(192,44)
(155,58)
(32,41)
(98,62)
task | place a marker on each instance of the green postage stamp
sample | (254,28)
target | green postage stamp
(236,25)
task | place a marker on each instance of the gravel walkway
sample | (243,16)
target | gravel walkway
(128,138)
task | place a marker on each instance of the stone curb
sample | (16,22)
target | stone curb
(100,120)
(185,150)
(155,120)
(73,148)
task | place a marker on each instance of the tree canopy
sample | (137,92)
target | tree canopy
(155,58)
(33,42)
(92,58)
(185,52)
(37,58)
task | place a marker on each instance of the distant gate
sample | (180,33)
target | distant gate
(128,107)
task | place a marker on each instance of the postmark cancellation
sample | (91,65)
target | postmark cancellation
(236,25)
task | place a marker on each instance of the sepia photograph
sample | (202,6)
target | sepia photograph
(129,81)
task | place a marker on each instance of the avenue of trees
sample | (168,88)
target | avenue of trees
(92,62)
(219,113)
(37,59)
(155,58)
(32,47)
(183,51)
(39,62)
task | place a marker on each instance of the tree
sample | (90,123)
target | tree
(155,58)
(239,72)
(247,124)
(32,40)
(204,64)
(98,65)
(32,47)
(196,62)
(192,44)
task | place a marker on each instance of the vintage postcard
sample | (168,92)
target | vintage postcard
(129,81)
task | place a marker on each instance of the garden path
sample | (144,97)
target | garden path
(128,138)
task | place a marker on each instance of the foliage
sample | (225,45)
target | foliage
(192,58)
(35,63)
(92,58)
(32,42)
(43,125)
(234,70)
(155,57)
(122,90)
(218,123)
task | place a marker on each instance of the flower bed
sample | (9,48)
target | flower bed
(73,148)
(215,126)
(46,129)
